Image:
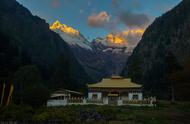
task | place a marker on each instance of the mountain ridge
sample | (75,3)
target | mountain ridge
(99,60)
(164,46)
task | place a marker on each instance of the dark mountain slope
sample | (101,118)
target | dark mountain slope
(163,49)
(26,40)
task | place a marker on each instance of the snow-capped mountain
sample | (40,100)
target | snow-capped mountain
(72,36)
(111,44)
(112,41)
(115,48)
(82,49)
(101,58)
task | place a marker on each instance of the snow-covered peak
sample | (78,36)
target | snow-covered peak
(70,35)
(65,28)
(112,41)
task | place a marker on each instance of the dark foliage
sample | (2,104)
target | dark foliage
(164,113)
(181,82)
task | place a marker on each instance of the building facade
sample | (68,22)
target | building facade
(115,91)
(110,91)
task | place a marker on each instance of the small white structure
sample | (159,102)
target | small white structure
(115,91)
(64,97)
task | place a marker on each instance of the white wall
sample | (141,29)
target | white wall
(124,97)
(130,96)
(56,103)
(119,102)
(99,95)
(105,100)
(140,96)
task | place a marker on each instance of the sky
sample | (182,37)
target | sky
(97,18)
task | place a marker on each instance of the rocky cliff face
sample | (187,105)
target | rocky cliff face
(164,47)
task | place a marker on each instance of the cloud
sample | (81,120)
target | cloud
(115,3)
(135,23)
(133,19)
(99,19)
(129,19)
(56,3)
(136,4)
(131,4)
(127,15)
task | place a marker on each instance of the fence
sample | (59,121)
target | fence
(83,101)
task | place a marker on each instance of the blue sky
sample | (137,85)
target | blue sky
(76,13)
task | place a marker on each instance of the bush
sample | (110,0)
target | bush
(15,112)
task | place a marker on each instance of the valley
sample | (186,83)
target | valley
(118,62)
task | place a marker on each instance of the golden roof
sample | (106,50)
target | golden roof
(115,82)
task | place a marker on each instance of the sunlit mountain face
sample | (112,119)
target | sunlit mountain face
(115,39)
(66,29)
(123,38)
(128,38)
(70,35)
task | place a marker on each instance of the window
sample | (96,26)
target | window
(135,97)
(94,96)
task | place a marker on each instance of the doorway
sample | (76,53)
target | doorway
(113,97)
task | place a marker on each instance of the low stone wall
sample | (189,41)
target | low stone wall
(84,101)
(136,102)
(56,103)
(94,101)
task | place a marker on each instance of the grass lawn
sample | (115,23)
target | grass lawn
(164,113)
